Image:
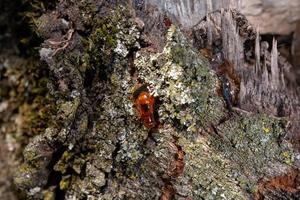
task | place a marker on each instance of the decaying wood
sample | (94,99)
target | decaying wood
(226,107)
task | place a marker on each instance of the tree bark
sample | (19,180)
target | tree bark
(125,101)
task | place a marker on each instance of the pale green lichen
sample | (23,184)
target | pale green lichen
(108,153)
(246,143)
(210,172)
(68,108)
(182,80)
(253,154)
(65,182)
(230,164)
(220,167)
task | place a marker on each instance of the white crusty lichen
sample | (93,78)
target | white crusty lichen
(222,163)
(183,81)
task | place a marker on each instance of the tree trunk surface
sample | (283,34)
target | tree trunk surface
(144,100)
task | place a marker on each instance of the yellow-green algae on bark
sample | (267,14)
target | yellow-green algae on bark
(105,152)
(256,144)
(227,166)
(81,143)
(223,164)
(210,172)
(182,80)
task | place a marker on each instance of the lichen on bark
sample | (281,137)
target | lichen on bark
(98,56)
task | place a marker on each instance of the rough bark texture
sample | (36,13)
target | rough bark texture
(226,107)
(264,14)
